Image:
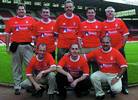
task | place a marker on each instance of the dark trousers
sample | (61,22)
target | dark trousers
(61,52)
(125,75)
(62,83)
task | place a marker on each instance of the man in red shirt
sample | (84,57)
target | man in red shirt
(67,27)
(40,72)
(112,66)
(73,71)
(44,31)
(91,32)
(20,29)
(117,30)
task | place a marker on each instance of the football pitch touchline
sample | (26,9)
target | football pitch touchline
(135,64)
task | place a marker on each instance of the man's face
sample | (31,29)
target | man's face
(45,13)
(21,11)
(106,44)
(41,52)
(69,7)
(110,13)
(90,14)
(74,50)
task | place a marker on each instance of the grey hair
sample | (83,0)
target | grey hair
(109,8)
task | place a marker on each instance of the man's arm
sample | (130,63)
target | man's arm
(50,69)
(60,70)
(36,85)
(7,37)
(119,75)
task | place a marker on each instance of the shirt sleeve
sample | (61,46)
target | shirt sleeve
(30,66)
(8,27)
(85,67)
(120,59)
(62,61)
(51,60)
(124,30)
(90,55)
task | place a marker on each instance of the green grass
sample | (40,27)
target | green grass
(132,58)
(131,54)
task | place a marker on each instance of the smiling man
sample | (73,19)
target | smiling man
(112,66)
(73,71)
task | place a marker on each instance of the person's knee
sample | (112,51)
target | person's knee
(94,77)
(116,89)
(52,76)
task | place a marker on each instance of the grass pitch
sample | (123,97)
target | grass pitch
(131,50)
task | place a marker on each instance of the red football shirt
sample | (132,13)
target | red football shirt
(68,29)
(74,67)
(21,29)
(110,61)
(91,33)
(116,30)
(35,64)
(45,34)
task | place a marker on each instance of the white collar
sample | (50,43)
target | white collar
(110,20)
(76,59)
(49,20)
(68,17)
(91,21)
(108,50)
(38,59)
(21,17)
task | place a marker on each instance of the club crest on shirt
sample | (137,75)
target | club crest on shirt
(27,22)
(96,26)
(85,26)
(41,28)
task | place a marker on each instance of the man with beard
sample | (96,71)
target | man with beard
(67,27)
(112,66)
(116,29)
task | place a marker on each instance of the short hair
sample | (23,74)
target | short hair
(74,44)
(109,8)
(68,1)
(41,45)
(90,8)
(44,7)
(108,37)
(21,4)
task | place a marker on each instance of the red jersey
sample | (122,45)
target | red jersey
(21,29)
(35,64)
(45,34)
(68,29)
(91,33)
(110,61)
(116,30)
(75,68)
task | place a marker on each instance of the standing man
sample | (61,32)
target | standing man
(91,32)
(40,73)
(112,67)
(44,31)
(67,27)
(117,30)
(73,71)
(20,29)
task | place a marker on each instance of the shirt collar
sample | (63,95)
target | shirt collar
(76,59)
(68,17)
(108,50)
(91,21)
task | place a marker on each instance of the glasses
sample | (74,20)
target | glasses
(74,48)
